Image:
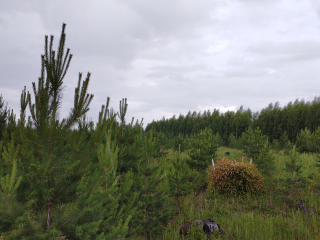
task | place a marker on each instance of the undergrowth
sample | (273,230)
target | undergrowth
(282,212)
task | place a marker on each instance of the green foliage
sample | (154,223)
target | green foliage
(178,179)
(304,140)
(59,188)
(235,178)
(10,184)
(10,153)
(256,146)
(276,123)
(234,142)
(3,116)
(218,140)
(308,142)
(275,145)
(202,150)
(284,142)
(265,160)
(293,166)
(315,141)
(108,160)
(128,138)
(162,145)
(252,142)
(222,124)
(152,198)
(178,142)
(315,175)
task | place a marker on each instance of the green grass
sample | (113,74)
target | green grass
(234,153)
(246,218)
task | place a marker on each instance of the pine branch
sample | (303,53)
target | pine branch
(82,101)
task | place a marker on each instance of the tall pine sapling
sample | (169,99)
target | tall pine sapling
(108,159)
(293,166)
(3,116)
(256,146)
(63,192)
(202,150)
(152,197)
(45,113)
(128,138)
(178,179)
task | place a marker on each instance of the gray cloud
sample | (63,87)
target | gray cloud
(173,19)
(168,57)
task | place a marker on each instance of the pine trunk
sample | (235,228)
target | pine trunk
(49,216)
(147,207)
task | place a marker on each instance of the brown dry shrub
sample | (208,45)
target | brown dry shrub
(230,177)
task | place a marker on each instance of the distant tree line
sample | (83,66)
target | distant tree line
(224,124)
(273,121)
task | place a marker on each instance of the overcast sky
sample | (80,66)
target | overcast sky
(168,56)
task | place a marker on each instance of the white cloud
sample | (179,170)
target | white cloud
(222,109)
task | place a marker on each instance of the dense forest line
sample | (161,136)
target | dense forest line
(273,121)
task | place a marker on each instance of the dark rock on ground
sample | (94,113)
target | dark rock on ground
(207,225)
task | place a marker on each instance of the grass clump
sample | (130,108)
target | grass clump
(235,178)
